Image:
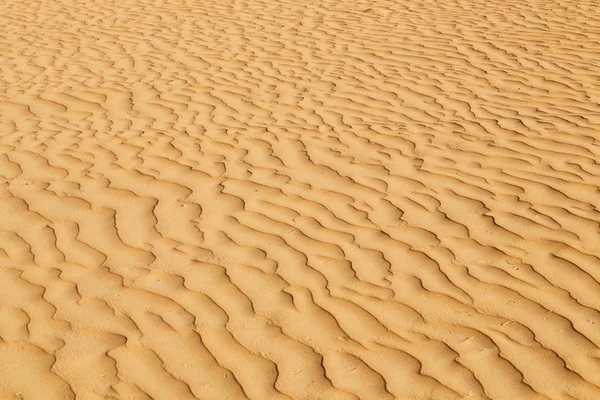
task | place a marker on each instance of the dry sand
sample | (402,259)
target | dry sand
(297,199)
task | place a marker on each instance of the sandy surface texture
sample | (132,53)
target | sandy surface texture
(298,199)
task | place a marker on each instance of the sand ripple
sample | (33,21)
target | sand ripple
(299,200)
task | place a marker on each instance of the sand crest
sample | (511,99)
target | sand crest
(299,199)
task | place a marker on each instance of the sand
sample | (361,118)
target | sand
(276,199)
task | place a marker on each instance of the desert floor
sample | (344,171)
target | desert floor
(297,199)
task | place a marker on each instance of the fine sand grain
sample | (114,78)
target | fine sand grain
(299,199)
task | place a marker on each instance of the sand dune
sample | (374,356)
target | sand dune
(299,200)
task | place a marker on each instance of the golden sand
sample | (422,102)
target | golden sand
(276,199)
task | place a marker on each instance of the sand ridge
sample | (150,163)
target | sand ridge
(299,200)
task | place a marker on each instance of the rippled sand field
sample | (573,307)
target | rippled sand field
(275,199)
